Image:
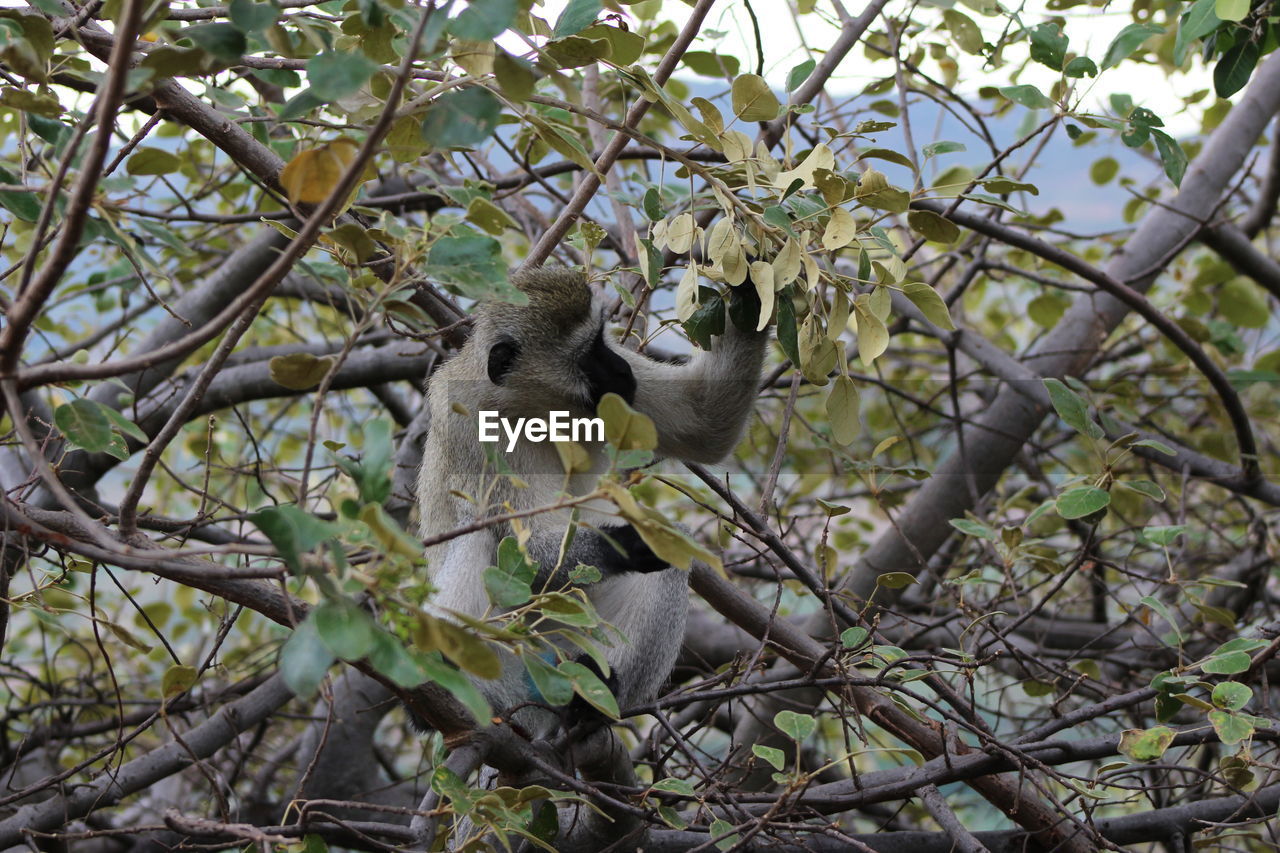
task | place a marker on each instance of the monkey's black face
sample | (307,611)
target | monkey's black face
(606,371)
(593,370)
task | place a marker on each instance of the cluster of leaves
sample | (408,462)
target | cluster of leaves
(820,234)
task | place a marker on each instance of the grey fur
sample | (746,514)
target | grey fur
(699,409)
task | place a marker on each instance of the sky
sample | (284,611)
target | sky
(1091,29)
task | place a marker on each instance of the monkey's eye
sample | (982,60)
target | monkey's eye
(502,357)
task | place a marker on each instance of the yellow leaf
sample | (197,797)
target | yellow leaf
(753,100)
(177,679)
(820,157)
(680,233)
(687,293)
(624,427)
(721,240)
(736,145)
(313,174)
(786,264)
(840,230)
(762,278)
(489,216)
(842,410)
(873,337)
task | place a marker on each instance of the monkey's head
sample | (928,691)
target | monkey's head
(551,353)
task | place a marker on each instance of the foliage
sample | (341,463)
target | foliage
(989,506)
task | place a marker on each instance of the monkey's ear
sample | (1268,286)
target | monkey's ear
(502,356)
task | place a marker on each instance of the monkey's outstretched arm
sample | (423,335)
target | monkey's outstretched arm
(700,408)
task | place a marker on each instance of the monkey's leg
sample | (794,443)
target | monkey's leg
(649,610)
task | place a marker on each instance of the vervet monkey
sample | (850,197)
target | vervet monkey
(554,354)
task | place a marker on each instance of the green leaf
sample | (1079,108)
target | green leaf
(1172,155)
(516,76)
(299,371)
(1005,186)
(852,638)
(470,652)
(1127,41)
(471,263)
(1158,446)
(711,64)
(461,118)
(25,206)
(576,17)
(389,657)
(589,686)
(152,161)
(1046,310)
(1231,695)
(250,17)
(1234,68)
(1146,745)
(304,660)
(775,757)
(334,74)
(753,100)
(178,679)
(1072,408)
(936,149)
(969,527)
(84,424)
(1103,170)
(652,205)
(292,531)
(1163,612)
(122,424)
(219,39)
(459,685)
(1231,728)
(798,727)
(625,47)
(787,331)
(1243,303)
(1195,23)
(504,589)
(934,227)
(551,685)
(345,629)
(931,305)
(895,580)
(966,33)
(1082,501)
(1081,66)
(578,51)
(1231,10)
(1230,663)
(372,473)
(1027,95)
(1144,487)
(795,77)
(1048,46)
(1163,535)
(708,321)
(484,20)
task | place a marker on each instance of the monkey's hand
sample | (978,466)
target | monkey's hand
(579,713)
(745,307)
(625,551)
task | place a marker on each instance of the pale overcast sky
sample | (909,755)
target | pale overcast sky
(1090,29)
